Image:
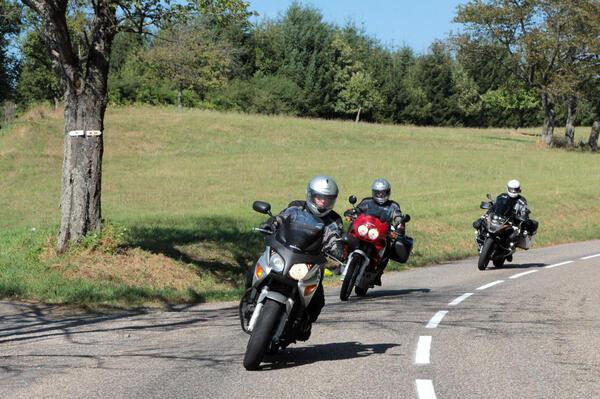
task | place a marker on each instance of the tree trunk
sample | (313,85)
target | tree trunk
(593,140)
(85,102)
(358,114)
(570,126)
(179,96)
(80,202)
(548,129)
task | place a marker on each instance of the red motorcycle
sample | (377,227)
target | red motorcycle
(371,242)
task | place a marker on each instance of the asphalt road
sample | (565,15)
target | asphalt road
(529,330)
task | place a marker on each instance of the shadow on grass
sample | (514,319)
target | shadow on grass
(185,243)
(518,140)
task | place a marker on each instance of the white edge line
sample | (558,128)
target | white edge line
(436,319)
(425,389)
(460,299)
(423,347)
(558,264)
(522,274)
(483,287)
(589,257)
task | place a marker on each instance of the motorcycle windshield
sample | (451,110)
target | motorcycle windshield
(502,207)
(300,230)
(382,213)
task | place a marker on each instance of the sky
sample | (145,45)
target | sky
(395,23)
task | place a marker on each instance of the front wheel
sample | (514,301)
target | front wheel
(349,278)
(260,340)
(484,256)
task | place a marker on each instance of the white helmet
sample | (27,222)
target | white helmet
(321,193)
(381,190)
(513,188)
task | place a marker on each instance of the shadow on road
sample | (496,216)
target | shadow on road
(292,357)
(33,322)
(518,266)
(378,293)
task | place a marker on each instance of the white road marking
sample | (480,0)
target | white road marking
(425,389)
(483,287)
(436,319)
(460,299)
(522,274)
(558,264)
(589,257)
(423,347)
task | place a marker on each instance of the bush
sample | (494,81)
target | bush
(262,94)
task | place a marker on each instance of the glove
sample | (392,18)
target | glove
(266,226)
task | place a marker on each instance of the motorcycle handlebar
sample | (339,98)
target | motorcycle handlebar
(266,231)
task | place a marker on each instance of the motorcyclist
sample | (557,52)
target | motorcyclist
(321,194)
(380,190)
(520,211)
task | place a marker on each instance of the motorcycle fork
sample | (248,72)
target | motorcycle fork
(352,255)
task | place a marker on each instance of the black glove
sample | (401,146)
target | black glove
(266,226)
(350,213)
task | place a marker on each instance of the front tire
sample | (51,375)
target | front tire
(484,256)
(260,340)
(348,283)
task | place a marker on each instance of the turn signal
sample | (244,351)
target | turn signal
(348,219)
(309,289)
(258,270)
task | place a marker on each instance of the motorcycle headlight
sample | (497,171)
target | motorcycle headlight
(363,230)
(373,234)
(299,270)
(276,262)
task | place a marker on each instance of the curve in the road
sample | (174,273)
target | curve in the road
(425,388)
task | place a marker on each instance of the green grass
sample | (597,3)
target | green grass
(183,183)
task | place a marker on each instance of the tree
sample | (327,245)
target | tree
(525,37)
(185,56)
(84,82)
(37,81)
(10,17)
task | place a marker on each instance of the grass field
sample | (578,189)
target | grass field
(178,188)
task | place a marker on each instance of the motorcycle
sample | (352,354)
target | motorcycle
(273,310)
(499,234)
(370,245)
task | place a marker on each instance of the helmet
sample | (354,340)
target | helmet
(514,188)
(381,189)
(321,193)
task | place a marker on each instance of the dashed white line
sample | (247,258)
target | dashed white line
(460,299)
(423,348)
(589,257)
(425,389)
(558,264)
(483,287)
(522,274)
(436,319)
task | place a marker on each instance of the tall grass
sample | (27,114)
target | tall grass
(183,181)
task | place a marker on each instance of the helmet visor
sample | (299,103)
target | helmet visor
(324,201)
(514,190)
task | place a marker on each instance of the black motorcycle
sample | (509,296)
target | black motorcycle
(285,277)
(497,236)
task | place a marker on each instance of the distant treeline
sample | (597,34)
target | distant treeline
(297,64)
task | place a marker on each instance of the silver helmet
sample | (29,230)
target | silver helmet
(381,189)
(513,187)
(321,193)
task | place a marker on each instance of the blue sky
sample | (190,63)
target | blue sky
(416,23)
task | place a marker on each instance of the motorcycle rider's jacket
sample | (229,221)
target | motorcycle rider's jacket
(519,206)
(389,208)
(331,224)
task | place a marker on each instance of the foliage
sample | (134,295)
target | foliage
(10,25)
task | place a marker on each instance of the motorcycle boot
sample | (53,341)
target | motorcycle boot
(305,328)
